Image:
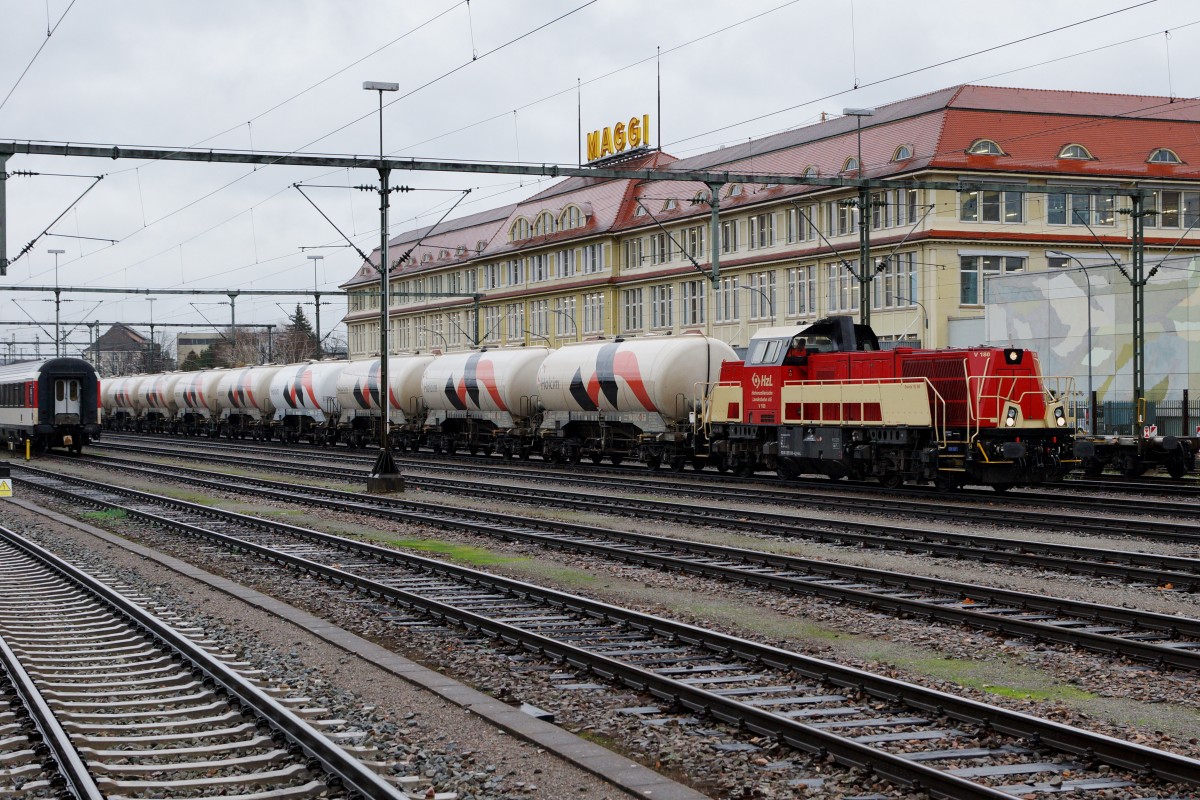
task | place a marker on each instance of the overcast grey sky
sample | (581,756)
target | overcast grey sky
(227,74)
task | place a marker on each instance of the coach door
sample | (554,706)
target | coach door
(66,401)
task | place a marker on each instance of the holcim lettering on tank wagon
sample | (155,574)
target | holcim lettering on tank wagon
(488,380)
(247,390)
(358,385)
(309,389)
(654,374)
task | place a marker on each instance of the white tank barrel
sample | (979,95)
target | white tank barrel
(307,389)
(486,380)
(196,392)
(358,385)
(663,375)
(157,393)
(247,390)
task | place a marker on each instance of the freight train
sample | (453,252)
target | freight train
(53,403)
(819,399)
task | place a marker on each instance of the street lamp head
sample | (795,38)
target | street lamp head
(859,112)
(315,258)
(56,252)
(381,86)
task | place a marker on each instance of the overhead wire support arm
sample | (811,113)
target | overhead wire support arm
(1079,215)
(408,253)
(33,242)
(849,267)
(358,250)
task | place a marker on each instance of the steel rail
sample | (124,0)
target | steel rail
(72,769)
(354,775)
(523,529)
(1126,755)
(914,501)
(1162,570)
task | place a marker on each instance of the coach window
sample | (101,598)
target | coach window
(74,391)
(58,390)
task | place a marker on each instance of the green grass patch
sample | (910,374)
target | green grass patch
(471,555)
(106,514)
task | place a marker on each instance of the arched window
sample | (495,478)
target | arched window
(1075,151)
(699,198)
(811,172)
(640,211)
(850,165)
(520,229)
(427,257)
(985,147)
(571,218)
(670,204)
(903,153)
(735,189)
(460,251)
(480,245)
(444,254)
(544,224)
(1164,155)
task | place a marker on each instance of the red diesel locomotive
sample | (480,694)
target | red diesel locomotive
(827,400)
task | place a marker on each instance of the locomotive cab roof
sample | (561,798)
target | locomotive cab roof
(830,335)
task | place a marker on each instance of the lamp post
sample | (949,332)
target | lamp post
(383,478)
(570,318)
(1087,276)
(57,303)
(152,299)
(438,334)
(765,296)
(924,314)
(865,272)
(317,294)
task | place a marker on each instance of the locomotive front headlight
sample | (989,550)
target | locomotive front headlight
(1060,417)
(1010,419)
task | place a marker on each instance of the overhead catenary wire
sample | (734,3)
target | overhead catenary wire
(49,32)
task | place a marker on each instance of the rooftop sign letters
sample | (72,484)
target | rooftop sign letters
(618,138)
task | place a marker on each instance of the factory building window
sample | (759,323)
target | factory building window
(516,272)
(492,318)
(693,241)
(593,313)
(801,223)
(985,147)
(1175,209)
(762,295)
(660,248)
(802,291)
(564,312)
(762,231)
(895,284)
(842,286)
(491,275)
(991,206)
(593,258)
(729,236)
(691,306)
(725,299)
(1079,209)
(514,315)
(539,267)
(662,301)
(539,318)
(632,305)
(633,253)
(565,264)
(975,270)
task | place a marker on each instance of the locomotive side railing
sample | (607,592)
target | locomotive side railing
(1063,389)
(938,411)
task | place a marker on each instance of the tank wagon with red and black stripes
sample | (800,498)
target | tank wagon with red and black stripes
(820,399)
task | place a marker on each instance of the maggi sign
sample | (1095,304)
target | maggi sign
(618,138)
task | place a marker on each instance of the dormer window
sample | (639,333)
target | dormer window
(811,172)
(479,246)
(850,165)
(544,224)
(1164,155)
(460,251)
(520,229)
(640,211)
(572,217)
(444,254)
(985,147)
(1076,151)
(903,153)
(670,204)
(734,190)
(699,198)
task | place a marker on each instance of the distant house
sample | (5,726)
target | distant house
(121,350)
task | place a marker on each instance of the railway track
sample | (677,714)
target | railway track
(1055,516)
(129,706)
(936,742)
(1157,638)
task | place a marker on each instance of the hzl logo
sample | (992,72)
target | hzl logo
(761,380)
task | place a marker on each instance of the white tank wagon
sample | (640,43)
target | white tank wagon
(154,397)
(305,400)
(196,398)
(116,398)
(243,401)
(627,398)
(484,400)
(358,396)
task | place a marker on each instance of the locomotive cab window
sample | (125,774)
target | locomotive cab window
(766,351)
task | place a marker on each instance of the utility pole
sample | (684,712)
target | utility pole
(317,299)
(866,270)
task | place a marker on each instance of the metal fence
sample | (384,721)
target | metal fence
(1179,416)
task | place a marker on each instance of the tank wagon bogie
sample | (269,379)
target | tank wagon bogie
(49,404)
(627,399)
(484,401)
